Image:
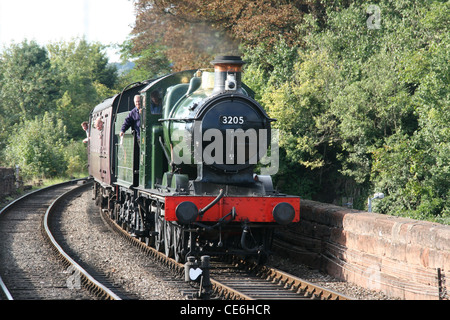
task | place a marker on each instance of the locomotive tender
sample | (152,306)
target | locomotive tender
(188,186)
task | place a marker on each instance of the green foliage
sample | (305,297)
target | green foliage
(149,63)
(45,95)
(414,169)
(28,85)
(75,155)
(365,109)
(37,146)
(86,79)
(362,108)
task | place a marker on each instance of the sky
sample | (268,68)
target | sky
(45,21)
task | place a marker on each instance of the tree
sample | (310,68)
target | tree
(414,169)
(45,95)
(359,100)
(37,146)
(86,79)
(149,63)
(194,31)
(28,84)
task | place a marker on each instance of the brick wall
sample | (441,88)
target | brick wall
(397,256)
(7,180)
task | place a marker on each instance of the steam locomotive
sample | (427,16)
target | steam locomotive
(186,183)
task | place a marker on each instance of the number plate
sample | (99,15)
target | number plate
(232,120)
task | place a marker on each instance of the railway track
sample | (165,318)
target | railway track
(241,280)
(29,270)
(250,281)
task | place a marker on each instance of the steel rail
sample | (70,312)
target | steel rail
(298,284)
(289,282)
(10,205)
(90,281)
(287,286)
(5,290)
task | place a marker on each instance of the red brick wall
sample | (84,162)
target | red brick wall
(397,256)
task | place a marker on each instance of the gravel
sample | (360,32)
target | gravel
(122,264)
(325,280)
(28,265)
(126,267)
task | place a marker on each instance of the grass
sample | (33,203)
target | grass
(38,183)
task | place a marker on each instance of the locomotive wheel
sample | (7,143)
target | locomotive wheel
(159,228)
(180,243)
(115,212)
(153,216)
(168,239)
(150,240)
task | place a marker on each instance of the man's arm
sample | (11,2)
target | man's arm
(127,123)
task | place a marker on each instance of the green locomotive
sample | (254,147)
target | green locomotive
(189,185)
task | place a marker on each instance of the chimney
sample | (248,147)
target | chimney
(228,73)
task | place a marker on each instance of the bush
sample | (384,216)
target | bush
(76,157)
(37,146)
